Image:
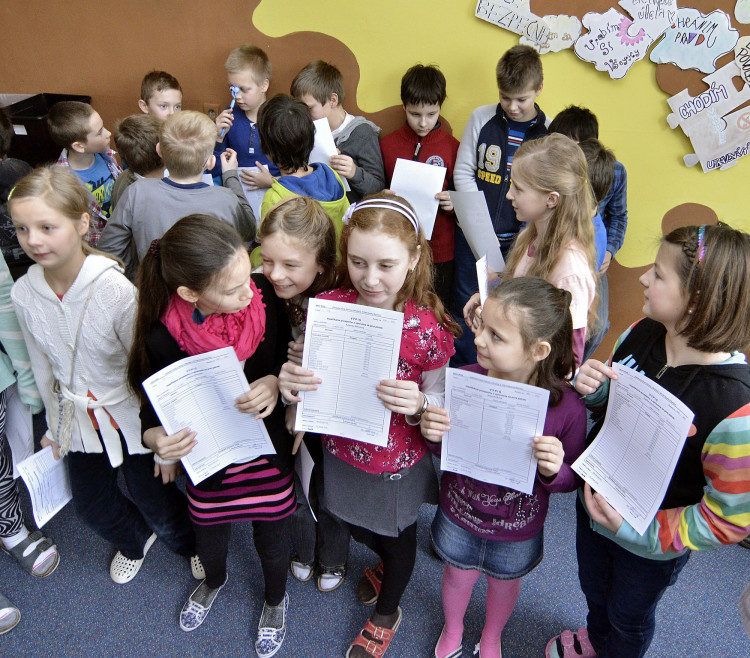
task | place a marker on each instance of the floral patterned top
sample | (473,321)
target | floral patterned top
(425,345)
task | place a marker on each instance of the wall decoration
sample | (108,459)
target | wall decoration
(719,136)
(615,42)
(516,16)
(696,41)
(742,11)
(564,30)
(742,58)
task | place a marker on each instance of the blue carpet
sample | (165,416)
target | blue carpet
(79,611)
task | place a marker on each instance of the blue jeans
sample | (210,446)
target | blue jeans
(465,285)
(621,589)
(101,504)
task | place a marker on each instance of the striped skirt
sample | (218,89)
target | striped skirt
(254,491)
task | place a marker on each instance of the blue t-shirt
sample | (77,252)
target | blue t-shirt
(99,179)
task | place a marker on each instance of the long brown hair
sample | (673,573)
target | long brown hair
(418,283)
(192,253)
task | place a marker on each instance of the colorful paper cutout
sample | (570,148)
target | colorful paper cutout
(514,15)
(563,32)
(696,40)
(718,138)
(615,42)
(742,58)
(742,11)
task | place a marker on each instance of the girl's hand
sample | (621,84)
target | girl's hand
(444,197)
(343,165)
(168,472)
(291,413)
(592,375)
(600,510)
(223,123)
(228,160)
(173,446)
(549,453)
(294,353)
(472,312)
(435,423)
(256,180)
(403,397)
(294,378)
(55,447)
(261,398)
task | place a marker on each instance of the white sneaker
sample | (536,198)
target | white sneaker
(123,569)
(271,629)
(329,580)
(197,607)
(301,571)
(196,566)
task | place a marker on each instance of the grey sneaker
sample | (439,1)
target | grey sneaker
(195,611)
(9,615)
(271,628)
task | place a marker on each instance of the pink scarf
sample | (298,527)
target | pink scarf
(243,330)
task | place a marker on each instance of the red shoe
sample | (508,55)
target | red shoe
(375,640)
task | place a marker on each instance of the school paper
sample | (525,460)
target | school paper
(418,183)
(483,279)
(47,481)
(476,224)
(325,146)
(303,466)
(254,197)
(352,348)
(492,424)
(19,429)
(631,460)
(199,392)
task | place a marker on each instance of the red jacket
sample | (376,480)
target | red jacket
(438,148)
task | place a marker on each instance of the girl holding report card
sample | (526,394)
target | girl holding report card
(386,263)
(697,305)
(196,294)
(526,336)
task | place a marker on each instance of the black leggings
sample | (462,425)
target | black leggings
(271,540)
(398,555)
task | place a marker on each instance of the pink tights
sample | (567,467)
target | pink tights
(501,599)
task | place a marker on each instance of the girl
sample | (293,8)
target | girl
(525,337)
(298,251)
(76,311)
(196,295)
(550,192)
(377,491)
(696,302)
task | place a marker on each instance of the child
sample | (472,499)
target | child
(80,131)
(136,138)
(11,171)
(196,294)
(249,70)
(76,312)
(149,207)
(550,192)
(525,336)
(385,263)
(287,134)
(423,138)
(696,302)
(161,95)
(36,553)
(320,86)
(298,251)
(490,140)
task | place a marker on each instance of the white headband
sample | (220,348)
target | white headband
(385,204)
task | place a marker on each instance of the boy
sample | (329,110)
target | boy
(491,138)
(136,138)
(149,207)
(320,86)
(287,134)
(161,95)
(248,69)
(422,138)
(79,129)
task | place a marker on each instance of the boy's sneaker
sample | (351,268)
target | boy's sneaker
(9,615)
(123,569)
(195,611)
(330,579)
(300,570)
(271,628)
(196,566)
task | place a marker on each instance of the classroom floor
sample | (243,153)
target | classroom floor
(79,611)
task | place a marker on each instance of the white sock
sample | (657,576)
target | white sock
(15,540)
